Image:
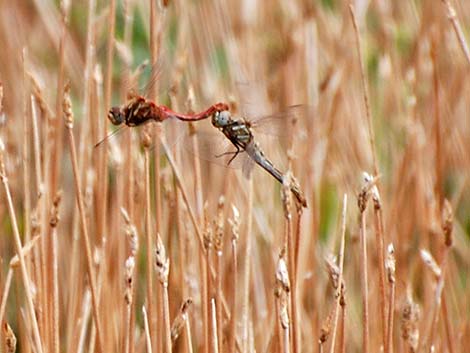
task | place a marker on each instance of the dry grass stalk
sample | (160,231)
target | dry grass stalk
(207,297)
(24,273)
(218,247)
(146,142)
(179,323)
(438,163)
(130,279)
(162,266)
(325,329)
(235,230)
(379,239)
(390,268)
(452,16)
(57,149)
(410,324)
(339,295)
(68,118)
(447,229)
(362,200)
(286,198)
(128,298)
(364,88)
(247,269)
(9,339)
(14,263)
(53,223)
(281,293)
(148,339)
(215,343)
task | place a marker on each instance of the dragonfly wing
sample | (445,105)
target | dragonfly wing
(248,165)
(282,123)
(214,147)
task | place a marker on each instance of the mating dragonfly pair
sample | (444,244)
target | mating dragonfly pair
(139,110)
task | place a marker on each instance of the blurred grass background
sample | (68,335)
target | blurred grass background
(260,57)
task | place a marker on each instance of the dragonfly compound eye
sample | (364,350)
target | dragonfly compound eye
(115,116)
(224,117)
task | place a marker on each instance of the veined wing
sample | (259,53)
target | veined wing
(214,147)
(283,123)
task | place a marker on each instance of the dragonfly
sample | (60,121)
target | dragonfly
(138,109)
(239,132)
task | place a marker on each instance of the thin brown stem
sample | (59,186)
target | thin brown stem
(82,216)
(364,284)
(233,308)
(17,239)
(148,339)
(389,340)
(149,243)
(452,16)
(247,269)
(341,268)
(379,240)
(215,340)
(365,89)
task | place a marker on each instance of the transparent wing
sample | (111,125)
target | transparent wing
(214,147)
(285,122)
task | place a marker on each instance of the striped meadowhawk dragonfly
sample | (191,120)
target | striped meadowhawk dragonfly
(238,146)
(138,109)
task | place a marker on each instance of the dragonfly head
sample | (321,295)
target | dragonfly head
(221,119)
(116,116)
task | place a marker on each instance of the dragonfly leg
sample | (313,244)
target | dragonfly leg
(235,153)
(226,153)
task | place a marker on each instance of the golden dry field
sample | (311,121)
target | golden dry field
(150,241)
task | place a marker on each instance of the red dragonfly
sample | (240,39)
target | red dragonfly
(139,110)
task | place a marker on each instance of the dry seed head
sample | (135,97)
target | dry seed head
(131,233)
(284,315)
(326,326)
(15,261)
(431,263)
(235,224)
(2,161)
(364,194)
(282,275)
(410,324)
(342,295)
(128,279)
(219,226)
(55,218)
(333,270)
(39,96)
(179,321)
(390,263)
(207,233)
(162,263)
(67,107)
(9,339)
(286,195)
(447,224)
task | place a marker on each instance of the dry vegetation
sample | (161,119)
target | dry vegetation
(138,246)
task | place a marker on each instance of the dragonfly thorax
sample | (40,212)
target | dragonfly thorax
(221,119)
(116,116)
